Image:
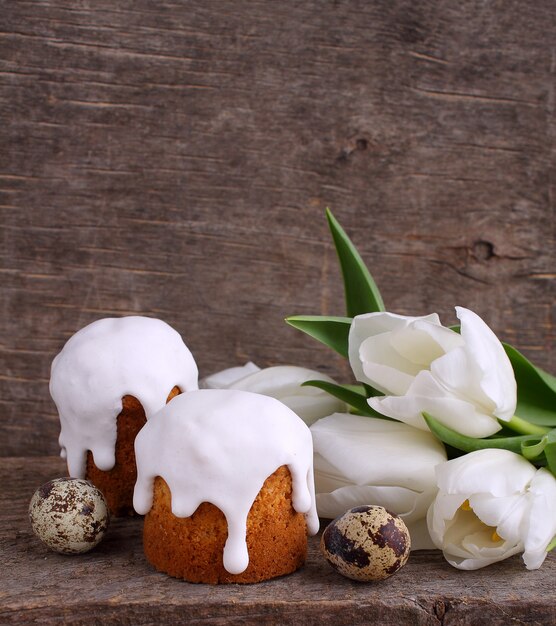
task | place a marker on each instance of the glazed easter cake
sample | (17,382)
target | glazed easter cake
(109,378)
(225,479)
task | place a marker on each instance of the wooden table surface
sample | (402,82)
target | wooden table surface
(114,584)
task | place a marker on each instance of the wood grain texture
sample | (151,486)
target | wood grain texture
(114,584)
(174,159)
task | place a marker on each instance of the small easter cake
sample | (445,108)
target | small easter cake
(225,479)
(108,379)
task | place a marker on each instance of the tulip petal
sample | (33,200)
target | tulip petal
(335,495)
(468,543)
(494,471)
(469,564)
(402,502)
(416,347)
(426,395)
(485,553)
(419,533)
(441,512)
(280,380)
(328,478)
(311,407)
(368,450)
(484,348)
(387,379)
(371,324)
(396,499)
(391,360)
(361,460)
(460,377)
(541,523)
(505,513)
(224,378)
(445,338)
(472,546)
(283,382)
(511,508)
(466,381)
(464,532)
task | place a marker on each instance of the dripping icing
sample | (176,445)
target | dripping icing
(219,446)
(99,365)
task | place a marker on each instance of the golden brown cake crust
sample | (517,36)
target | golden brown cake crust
(117,484)
(192,547)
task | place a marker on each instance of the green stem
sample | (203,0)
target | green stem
(519,425)
(551,545)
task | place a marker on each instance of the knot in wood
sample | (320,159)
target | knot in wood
(483,250)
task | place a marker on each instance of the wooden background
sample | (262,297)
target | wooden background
(174,159)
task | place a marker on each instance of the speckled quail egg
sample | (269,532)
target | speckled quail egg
(367,543)
(69,515)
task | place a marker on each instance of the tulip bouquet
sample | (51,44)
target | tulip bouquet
(446,426)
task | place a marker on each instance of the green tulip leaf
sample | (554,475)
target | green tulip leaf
(548,378)
(358,388)
(523,427)
(547,445)
(550,450)
(331,331)
(361,292)
(371,391)
(533,448)
(470,444)
(550,454)
(347,394)
(536,390)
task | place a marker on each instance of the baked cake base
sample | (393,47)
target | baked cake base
(117,484)
(192,547)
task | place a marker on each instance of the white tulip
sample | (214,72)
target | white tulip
(364,460)
(465,380)
(225,378)
(282,382)
(492,504)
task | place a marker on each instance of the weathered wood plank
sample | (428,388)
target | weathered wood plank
(175,160)
(114,583)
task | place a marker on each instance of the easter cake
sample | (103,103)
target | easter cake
(231,499)
(109,378)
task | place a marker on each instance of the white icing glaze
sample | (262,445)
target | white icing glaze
(101,363)
(219,446)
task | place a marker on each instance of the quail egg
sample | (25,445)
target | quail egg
(367,543)
(69,515)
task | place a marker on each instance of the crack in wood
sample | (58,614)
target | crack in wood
(454,96)
(427,57)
